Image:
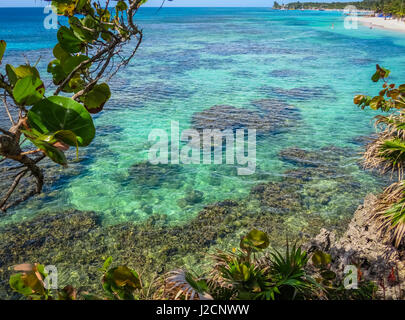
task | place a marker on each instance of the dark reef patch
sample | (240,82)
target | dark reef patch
(145,174)
(326,156)
(301,93)
(271,117)
(286,73)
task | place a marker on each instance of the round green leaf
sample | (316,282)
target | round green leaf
(55,154)
(60,113)
(95,100)
(28,91)
(14,74)
(72,62)
(58,75)
(60,53)
(68,40)
(255,239)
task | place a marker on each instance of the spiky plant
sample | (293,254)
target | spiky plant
(390,211)
(183,285)
(387,152)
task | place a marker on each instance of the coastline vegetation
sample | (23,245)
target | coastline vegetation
(387,7)
(387,151)
(250,272)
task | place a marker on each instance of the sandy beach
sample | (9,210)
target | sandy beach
(389,24)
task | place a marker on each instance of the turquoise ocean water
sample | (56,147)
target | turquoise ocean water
(195,58)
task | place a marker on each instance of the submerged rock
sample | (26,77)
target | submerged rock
(279,110)
(325,156)
(191,198)
(151,175)
(224,117)
(270,118)
(278,197)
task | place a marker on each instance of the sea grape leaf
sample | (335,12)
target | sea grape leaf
(58,113)
(58,75)
(95,100)
(3,46)
(80,32)
(14,74)
(28,91)
(17,283)
(54,153)
(122,282)
(72,62)
(328,275)
(68,40)
(60,53)
(376,102)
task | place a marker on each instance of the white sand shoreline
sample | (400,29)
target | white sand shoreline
(380,23)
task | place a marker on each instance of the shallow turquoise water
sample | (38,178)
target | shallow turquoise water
(193,59)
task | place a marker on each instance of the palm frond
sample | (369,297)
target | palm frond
(390,211)
(387,151)
(183,285)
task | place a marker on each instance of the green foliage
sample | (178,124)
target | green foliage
(274,276)
(394,7)
(387,152)
(321,259)
(118,283)
(255,241)
(236,275)
(121,283)
(30,283)
(28,91)
(55,114)
(95,100)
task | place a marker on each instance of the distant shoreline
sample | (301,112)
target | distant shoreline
(381,23)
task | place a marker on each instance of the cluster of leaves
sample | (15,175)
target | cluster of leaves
(251,273)
(387,151)
(333,286)
(119,283)
(393,7)
(30,282)
(89,49)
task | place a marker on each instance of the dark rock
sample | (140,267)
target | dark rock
(228,117)
(278,197)
(191,198)
(145,174)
